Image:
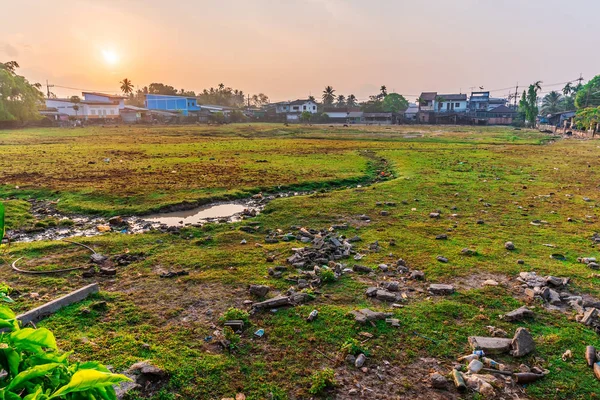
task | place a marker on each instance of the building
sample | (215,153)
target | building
(85,109)
(293,109)
(501,115)
(105,98)
(479,101)
(134,115)
(452,103)
(181,104)
(382,118)
(342,114)
(410,114)
(431,104)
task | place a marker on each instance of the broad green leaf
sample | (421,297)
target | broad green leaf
(37,395)
(88,379)
(45,358)
(13,359)
(29,374)
(5,395)
(92,365)
(1,221)
(33,339)
(6,313)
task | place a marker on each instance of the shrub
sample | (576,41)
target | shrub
(354,347)
(36,369)
(235,313)
(327,276)
(322,380)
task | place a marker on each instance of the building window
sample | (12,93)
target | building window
(112,112)
(457,105)
(314,107)
(304,108)
(93,112)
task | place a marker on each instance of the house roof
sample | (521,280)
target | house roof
(428,96)
(299,102)
(110,96)
(88,102)
(502,109)
(454,97)
(374,115)
(355,114)
(134,108)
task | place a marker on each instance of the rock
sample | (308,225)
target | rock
(89,273)
(353,392)
(468,252)
(509,246)
(519,314)
(392,286)
(434,215)
(590,317)
(103,228)
(529,293)
(443,236)
(489,282)
(438,381)
(520,262)
(108,271)
(442,259)
(594,265)
(97,258)
(362,268)
(440,289)
(383,267)
(522,343)
(371,291)
(116,221)
(360,360)
(146,368)
(384,295)
(366,314)
(395,322)
(417,275)
(384,213)
(123,388)
(480,222)
(350,359)
(259,290)
(490,345)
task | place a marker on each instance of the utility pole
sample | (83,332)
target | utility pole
(579,79)
(516,95)
(248,100)
(48,88)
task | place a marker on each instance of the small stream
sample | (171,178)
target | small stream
(169,221)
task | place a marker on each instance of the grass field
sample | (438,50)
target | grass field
(505,177)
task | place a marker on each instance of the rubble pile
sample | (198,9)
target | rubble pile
(324,247)
(553,292)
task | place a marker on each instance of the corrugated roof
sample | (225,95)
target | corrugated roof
(298,102)
(501,109)
(110,96)
(453,97)
(377,115)
(428,96)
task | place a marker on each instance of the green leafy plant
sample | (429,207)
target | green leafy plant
(354,347)
(37,370)
(1,222)
(322,380)
(327,276)
(235,313)
(231,337)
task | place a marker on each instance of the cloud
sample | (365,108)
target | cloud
(9,50)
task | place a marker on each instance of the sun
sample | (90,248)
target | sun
(110,57)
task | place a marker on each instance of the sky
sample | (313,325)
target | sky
(290,49)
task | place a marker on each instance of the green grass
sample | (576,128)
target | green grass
(504,177)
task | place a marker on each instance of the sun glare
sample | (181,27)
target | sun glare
(110,57)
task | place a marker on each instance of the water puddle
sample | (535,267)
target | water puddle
(230,211)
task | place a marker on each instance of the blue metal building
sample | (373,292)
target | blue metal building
(172,103)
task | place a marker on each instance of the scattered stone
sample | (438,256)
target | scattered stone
(98,259)
(468,252)
(362,268)
(519,314)
(384,213)
(480,222)
(417,275)
(108,271)
(522,343)
(442,259)
(173,274)
(116,221)
(393,321)
(443,236)
(434,215)
(440,289)
(350,359)
(392,286)
(509,246)
(520,262)
(366,314)
(259,290)
(438,381)
(490,345)
(383,267)
(360,360)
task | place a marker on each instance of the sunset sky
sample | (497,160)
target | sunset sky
(290,49)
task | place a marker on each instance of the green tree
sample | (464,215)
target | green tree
(374,104)
(528,102)
(126,87)
(75,100)
(259,100)
(305,116)
(552,103)
(589,94)
(383,91)
(328,95)
(394,102)
(19,99)
(161,88)
(439,100)
(588,118)
(351,101)
(341,101)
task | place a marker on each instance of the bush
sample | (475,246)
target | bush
(36,369)
(235,313)
(322,380)
(327,276)
(354,347)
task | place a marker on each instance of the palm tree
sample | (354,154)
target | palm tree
(383,90)
(351,101)
(551,103)
(75,100)
(568,89)
(341,100)
(312,98)
(328,95)
(537,86)
(126,86)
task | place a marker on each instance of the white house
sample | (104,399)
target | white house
(451,103)
(296,106)
(92,106)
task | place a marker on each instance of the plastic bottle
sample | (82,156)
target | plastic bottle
(313,314)
(469,358)
(459,380)
(492,364)
(590,355)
